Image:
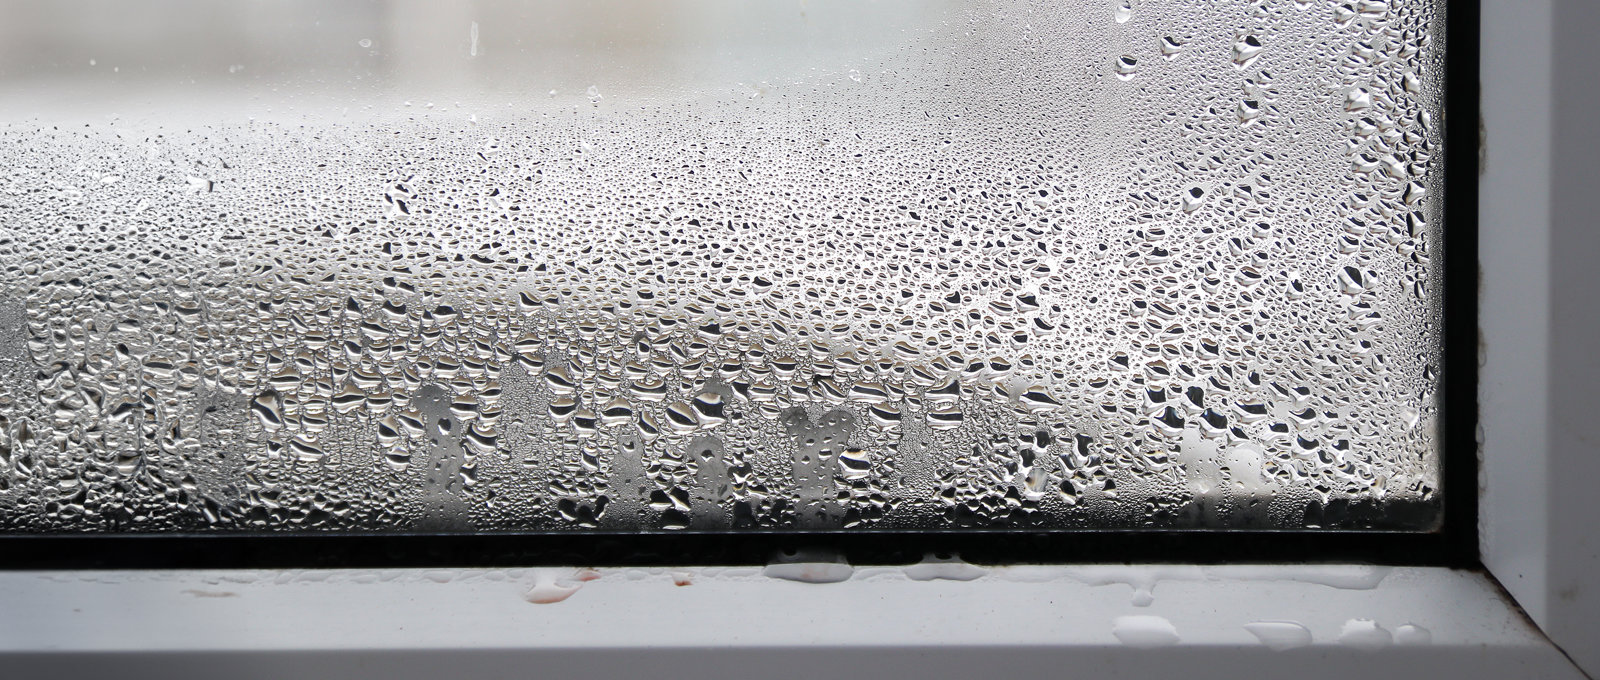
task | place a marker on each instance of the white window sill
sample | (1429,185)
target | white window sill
(738,622)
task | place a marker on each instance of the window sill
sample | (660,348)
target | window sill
(737,621)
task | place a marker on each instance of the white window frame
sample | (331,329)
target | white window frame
(1539,309)
(1538,313)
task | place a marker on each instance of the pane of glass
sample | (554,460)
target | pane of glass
(708,264)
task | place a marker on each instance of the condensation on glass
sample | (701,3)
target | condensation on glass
(718,265)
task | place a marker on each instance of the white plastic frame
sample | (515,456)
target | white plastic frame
(738,623)
(1539,312)
(1540,304)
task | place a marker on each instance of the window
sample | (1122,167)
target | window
(714,267)
(1230,619)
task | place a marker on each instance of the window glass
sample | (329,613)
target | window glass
(719,265)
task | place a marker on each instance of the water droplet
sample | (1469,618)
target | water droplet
(1127,67)
(1122,11)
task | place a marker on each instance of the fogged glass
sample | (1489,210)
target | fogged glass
(718,265)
